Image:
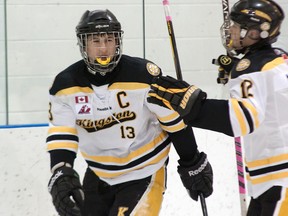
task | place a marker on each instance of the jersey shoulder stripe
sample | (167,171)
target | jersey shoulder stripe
(256,62)
(136,70)
(70,77)
(274,63)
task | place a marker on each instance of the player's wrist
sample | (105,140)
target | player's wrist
(61,164)
(191,162)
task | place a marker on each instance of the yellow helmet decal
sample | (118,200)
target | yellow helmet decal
(258,13)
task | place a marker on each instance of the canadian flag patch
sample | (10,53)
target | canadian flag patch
(81,99)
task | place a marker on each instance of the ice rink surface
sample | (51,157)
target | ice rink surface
(25,173)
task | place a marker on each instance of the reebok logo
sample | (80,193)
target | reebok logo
(199,170)
(53,179)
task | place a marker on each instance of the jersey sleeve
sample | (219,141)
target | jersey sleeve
(181,135)
(170,120)
(245,112)
(62,133)
(251,95)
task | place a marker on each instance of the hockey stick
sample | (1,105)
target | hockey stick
(241,178)
(172,39)
(178,70)
(237,140)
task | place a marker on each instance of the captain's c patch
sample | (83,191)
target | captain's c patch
(153,69)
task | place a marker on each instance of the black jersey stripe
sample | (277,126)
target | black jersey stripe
(171,123)
(266,170)
(56,137)
(133,163)
(247,116)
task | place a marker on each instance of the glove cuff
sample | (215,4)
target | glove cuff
(58,165)
(189,163)
(194,169)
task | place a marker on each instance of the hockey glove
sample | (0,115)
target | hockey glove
(225,64)
(177,95)
(66,191)
(198,177)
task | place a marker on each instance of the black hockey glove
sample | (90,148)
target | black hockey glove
(66,191)
(198,177)
(177,95)
(225,64)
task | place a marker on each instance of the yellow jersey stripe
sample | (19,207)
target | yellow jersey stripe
(128,86)
(254,112)
(62,129)
(133,155)
(74,90)
(273,63)
(174,128)
(267,178)
(62,145)
(156,160)
(239,115)
(267,161)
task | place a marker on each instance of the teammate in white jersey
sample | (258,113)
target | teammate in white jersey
(258,104)
(98,106)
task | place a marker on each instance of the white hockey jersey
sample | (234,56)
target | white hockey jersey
(121,136)
(258,111)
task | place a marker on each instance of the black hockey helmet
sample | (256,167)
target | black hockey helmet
(263,15)
(94,23)
(98,21)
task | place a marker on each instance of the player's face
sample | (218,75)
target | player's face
(101,48)
(242,38)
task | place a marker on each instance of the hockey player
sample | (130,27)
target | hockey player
(98,106)
(257,108)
